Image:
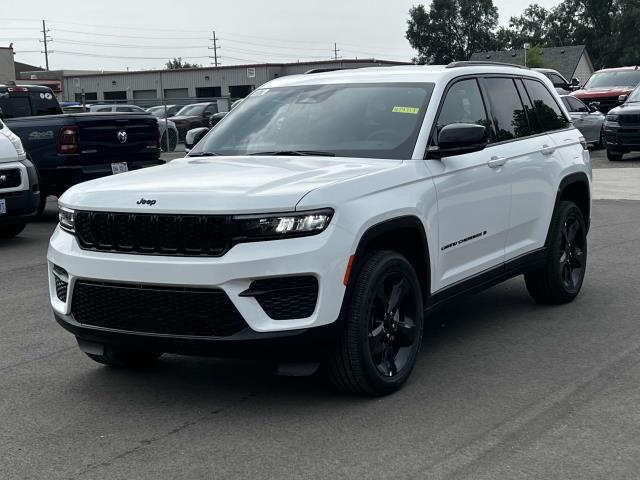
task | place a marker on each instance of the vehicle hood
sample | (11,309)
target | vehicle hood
(220,184)
(183,118)
(592,93)
(627,108)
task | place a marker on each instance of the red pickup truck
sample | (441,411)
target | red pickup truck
(606,86)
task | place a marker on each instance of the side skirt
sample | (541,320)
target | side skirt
(488,278)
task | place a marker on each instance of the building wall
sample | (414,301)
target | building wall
(7,66)
(584,70)
(226,79)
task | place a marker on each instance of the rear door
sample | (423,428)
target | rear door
(473,196)
(588,122)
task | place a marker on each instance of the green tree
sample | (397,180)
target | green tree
(178,63)
(452,30)
(530,27)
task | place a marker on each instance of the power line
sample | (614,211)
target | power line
(87,54)
(125,36)
(120,45)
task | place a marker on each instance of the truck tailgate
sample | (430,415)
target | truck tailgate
(116,135)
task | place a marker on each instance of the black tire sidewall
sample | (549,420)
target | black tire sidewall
(384,262)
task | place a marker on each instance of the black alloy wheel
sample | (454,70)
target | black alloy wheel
(572,254)
(381,328)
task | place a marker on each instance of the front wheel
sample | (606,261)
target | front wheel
(9,231)
(382,331)
(614,156)
(560,279)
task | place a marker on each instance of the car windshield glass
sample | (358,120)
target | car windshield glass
(622,78)
(191,110)
(635,96)
(348,120)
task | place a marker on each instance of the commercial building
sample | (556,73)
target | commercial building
(7,65)
(147,88)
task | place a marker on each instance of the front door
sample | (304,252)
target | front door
(473,196)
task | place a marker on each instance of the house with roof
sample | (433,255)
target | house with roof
(572,61)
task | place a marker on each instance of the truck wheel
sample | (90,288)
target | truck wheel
(614,156)
(382,331)
(560,279)
(124,358)
(8,231)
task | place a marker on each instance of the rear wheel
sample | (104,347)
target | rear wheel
(560,279)
(124,358)
(8,231)
(614,156)
(382,331)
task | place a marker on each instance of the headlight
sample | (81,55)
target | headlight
(612,117)
(283,225)
(67,219)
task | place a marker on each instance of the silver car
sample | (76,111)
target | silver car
(586,118)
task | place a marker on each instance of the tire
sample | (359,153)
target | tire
(173,141)
(123,358)
(9,231)
(614,156)
(376,352)
(560,279)
(600,144)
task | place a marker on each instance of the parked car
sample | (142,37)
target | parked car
(622,128)
(324,216)
(562,86)
(159,111)
(586,118)
(167,143)
(19,188)
(608,86)
(194,116)
(215,118)
(73,107)
(72,148)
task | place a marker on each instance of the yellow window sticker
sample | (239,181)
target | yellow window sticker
(411,110)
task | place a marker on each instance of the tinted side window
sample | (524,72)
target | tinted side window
(508,114)
(557,80)
(463,104)
(103,109)
(528,107)
(577,106)
(211,109)
(567,104)
(124,109)
(549,115)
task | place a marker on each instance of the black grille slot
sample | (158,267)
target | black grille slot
(149,309)
(61,289)
(187,235)
(10,178)
(629,119)
(286,298)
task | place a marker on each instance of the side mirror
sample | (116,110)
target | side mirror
(575,82)
(623,98)
(594,106)
(194,136)
(458,139)
(592,109)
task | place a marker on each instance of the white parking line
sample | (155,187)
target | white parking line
(616,184)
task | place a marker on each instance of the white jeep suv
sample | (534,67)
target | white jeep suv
(324,217)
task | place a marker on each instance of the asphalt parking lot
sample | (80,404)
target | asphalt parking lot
(503,389)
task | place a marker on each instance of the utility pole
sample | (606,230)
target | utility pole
(335,51)
(215,49)
(45,38)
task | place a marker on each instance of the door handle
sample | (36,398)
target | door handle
(547,150)
(496,162)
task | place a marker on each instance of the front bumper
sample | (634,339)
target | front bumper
(622,137)
(21,201)
(324,256)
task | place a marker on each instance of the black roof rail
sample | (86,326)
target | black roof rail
(479,63)
(323,70)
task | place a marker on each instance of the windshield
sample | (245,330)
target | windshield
(621,78)
(191,110)
(635,96)
(348,120)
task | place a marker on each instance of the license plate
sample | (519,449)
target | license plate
(119,167)
(3,206)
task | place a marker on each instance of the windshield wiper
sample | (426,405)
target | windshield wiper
(293,153)
(204,154)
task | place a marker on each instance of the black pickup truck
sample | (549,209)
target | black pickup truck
(72,148)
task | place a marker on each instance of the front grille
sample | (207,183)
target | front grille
(150,309)
(10,178)
(286,298)
(605,103)
(154,234)
(610,138)
(629,119)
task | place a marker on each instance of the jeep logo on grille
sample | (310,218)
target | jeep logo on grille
(3,178)
(122,136)
(143,201)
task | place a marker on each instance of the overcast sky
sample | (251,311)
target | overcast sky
(101,34)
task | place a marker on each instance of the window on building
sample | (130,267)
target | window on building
(240,91)
(88,97)
(208,92)
(115,96)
